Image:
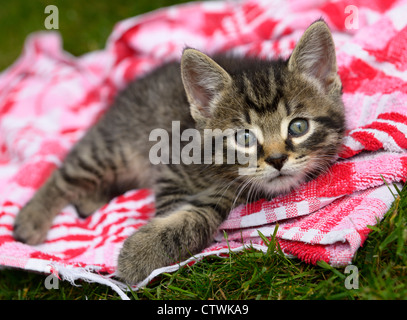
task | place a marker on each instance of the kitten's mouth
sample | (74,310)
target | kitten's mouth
(280,175)
(281,183)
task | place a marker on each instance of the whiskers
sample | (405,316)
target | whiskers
(245,188)
(319,165)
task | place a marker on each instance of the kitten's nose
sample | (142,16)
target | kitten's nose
(277,160)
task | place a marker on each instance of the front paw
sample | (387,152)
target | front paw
(163,241)
(32,224)
(142,253)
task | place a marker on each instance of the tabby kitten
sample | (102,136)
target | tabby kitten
(288,113)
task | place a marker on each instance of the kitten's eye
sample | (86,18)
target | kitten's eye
(246,138)
(298,127)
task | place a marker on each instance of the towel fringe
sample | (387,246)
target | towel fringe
(85,273)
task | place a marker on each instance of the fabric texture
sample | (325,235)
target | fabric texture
(48,98)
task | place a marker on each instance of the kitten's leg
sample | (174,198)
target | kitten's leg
(35,218)
(174,236)
(90,176)
(69,184)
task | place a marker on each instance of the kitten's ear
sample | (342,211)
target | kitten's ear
(203,80)
(314,55)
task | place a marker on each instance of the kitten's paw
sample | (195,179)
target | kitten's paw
(142,253)
(162,242)
(32,224)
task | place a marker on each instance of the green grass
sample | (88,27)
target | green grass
(84,25)
(381,262)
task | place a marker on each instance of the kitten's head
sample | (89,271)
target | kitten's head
(287,113)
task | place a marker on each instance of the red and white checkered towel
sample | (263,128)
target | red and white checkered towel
(48,99)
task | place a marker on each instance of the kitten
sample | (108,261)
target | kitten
(288,113)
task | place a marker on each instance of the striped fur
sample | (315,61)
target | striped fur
(271,99)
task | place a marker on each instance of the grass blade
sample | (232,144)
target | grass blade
(326,266)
